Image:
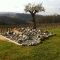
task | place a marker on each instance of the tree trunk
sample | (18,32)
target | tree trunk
(33,20)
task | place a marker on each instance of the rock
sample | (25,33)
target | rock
(16,31)
(38,41)
(42,37)
(19,41)
(27,36)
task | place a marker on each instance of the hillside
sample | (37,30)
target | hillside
(10,18)
(18,15)
(4,20)
(26,16)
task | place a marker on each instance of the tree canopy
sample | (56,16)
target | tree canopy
(34,8)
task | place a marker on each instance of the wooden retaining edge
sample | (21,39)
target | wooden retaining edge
(9,40)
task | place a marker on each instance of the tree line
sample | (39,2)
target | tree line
(48,19)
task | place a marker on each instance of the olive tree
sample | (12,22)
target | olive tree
(33,9)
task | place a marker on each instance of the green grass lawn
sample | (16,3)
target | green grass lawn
(49,49)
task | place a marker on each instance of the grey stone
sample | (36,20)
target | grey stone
(29,36)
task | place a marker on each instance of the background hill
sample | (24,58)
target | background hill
(10,18)
(4,20)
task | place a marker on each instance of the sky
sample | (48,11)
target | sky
(51,6)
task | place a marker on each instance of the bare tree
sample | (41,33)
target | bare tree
(33,9)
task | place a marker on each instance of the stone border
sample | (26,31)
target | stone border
(9,40)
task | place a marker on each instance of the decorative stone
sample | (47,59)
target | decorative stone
(27,36)
(16,31)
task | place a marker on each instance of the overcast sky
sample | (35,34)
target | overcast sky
(51,6)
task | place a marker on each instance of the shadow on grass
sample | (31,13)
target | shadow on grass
(47,38)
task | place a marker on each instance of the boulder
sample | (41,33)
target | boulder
(27,36)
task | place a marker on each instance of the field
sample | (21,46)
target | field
(49,49)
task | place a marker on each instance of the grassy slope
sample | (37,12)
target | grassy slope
(47,50)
